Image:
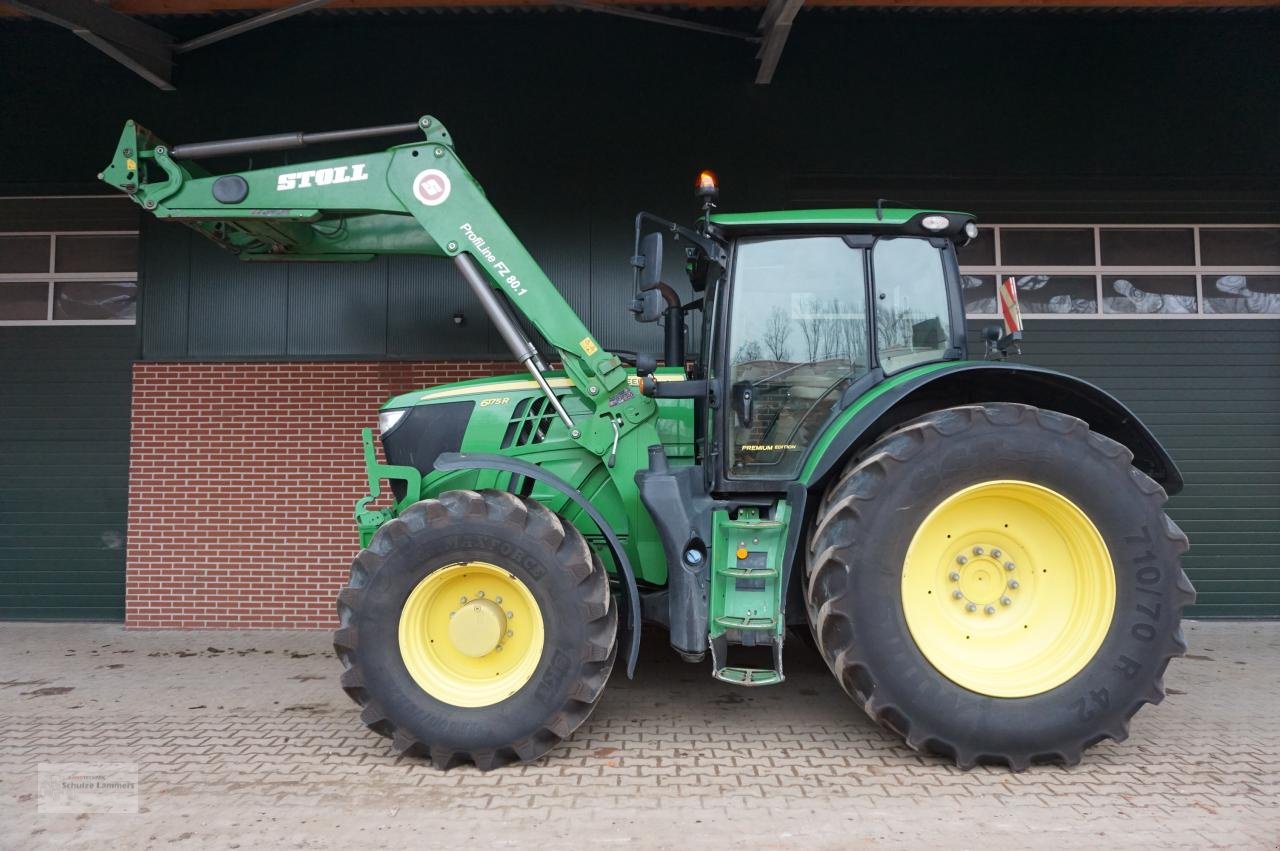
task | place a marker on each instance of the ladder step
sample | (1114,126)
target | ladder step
(752,524)
(749,676)
(730,622)
(747,572)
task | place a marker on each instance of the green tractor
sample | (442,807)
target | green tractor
(978,547)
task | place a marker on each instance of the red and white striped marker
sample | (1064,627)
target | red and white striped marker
(1010,313)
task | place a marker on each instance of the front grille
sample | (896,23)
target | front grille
(529,423)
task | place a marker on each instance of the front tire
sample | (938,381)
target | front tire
(477,627)
(1029,655)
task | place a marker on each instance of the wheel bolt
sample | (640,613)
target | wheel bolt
(961,559)
(970,607)
(510,633)
(1013,583)
(479,593)
(995,553)
(1008,565)
(978,551)
(953,576)
(991,610)
(959,595)
(498,648)
(1004,601)
(510,615)
(498,600)
(464,601)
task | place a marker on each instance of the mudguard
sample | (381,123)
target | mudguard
(629,600)
(974,382)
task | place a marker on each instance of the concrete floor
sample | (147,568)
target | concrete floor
(244,740)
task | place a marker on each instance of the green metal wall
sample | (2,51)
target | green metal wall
(64,470)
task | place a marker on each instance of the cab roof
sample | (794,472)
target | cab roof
(866,219)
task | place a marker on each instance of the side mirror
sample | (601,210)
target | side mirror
(649,306)
(651,252)
(743,400)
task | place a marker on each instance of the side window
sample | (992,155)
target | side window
(797,337)
(912,318)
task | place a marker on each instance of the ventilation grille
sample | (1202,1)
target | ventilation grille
(530,422)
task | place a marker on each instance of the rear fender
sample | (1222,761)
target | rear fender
(974,382)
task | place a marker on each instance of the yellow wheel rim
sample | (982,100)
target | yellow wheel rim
(1008,589)
(471,634)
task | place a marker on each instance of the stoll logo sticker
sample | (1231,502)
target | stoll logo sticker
(431,187)
(98,787)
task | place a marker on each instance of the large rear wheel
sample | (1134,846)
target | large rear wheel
(998,584)
(477,627)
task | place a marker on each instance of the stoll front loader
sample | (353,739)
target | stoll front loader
(979,547)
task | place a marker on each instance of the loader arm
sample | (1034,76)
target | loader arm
(415,198)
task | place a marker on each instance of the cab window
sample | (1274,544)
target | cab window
(797,337)
(912,318)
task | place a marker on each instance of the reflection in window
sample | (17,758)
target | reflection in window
(797,339)
(979,294)
(911,303)
(95,300)
(1057,293)
(1241,293)
(1163,294)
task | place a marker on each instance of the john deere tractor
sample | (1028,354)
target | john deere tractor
(979,547)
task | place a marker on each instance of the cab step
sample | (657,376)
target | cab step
(749,676)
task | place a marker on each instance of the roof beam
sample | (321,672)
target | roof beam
(637,15)
(146,51)
(775,26)
(250,24)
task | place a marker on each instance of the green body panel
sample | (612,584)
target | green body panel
(611,489)
(841,420)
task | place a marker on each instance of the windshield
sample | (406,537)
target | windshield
(797,337)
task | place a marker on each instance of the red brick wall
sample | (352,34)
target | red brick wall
(242,478)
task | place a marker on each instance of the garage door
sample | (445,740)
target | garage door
(67,343)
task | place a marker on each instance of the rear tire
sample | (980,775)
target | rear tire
(388,642)
(871,594)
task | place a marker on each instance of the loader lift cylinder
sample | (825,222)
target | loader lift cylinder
(284,141)
(521,347)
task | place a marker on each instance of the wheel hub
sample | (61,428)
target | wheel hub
(477,628)
(983,576)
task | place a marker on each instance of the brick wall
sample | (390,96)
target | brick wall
(241,484)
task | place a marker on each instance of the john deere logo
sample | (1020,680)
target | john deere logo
(431,187)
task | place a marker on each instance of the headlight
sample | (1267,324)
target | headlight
(935,222)
(387,420)
(971,230)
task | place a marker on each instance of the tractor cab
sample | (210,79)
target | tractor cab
(802,312)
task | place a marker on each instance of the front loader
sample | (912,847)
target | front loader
(978,547)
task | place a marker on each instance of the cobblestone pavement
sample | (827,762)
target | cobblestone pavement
(243,740)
